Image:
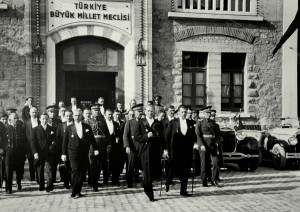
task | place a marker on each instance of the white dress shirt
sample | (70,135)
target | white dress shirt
(110,126)
(102,110)
(183,126)
(79,129)
(170,118)
(74,107)
(150,121)
(34,122)
(44,127)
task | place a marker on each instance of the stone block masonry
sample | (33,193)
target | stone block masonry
(12,57)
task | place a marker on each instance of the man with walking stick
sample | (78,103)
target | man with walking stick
(180,138)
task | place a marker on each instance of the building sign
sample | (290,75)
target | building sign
(64,12)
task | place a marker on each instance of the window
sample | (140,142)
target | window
(194,79)
(232,65)
(91,52)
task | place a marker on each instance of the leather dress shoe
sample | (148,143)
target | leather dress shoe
(204,183)
(218,179)
(151,198)
(41,189)
(19,187)
(74,196)
(215,183)
(95,189)
(185,194)
(48,189)
(80,195)
(8,192)
(167,187)
(129,185)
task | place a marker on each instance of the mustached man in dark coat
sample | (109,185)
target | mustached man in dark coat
(76,144)
(180,138)
(16,149)
(150,142)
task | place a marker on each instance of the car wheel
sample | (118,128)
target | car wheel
(279,159)
(251,164)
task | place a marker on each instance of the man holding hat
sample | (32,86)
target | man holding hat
(26,108)
(208,133)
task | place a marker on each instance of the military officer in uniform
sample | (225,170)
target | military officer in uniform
(54,121)
(207,132)
(180,138)
(16,149)
(131,128)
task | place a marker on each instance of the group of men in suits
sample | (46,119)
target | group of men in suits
(98,140)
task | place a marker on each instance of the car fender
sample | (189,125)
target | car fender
(281,142)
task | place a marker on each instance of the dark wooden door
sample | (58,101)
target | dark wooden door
(87,87)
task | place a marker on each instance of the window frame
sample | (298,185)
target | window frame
(232,71)
(194,71)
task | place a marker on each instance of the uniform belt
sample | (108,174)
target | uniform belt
(208,136)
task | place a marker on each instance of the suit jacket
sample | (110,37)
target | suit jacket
(3,136)
(44,142)
(18,142)
(60,131)
(180,146)
(76,147)
(112,138)
(28,130)
(25,113)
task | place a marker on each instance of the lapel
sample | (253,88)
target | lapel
(177,124)
(147,125)
(42,133)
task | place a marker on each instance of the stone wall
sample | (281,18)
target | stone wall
(263,73)
(12,56)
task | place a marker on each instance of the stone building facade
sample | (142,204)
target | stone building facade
(172,31)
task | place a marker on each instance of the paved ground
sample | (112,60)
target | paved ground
(263,190)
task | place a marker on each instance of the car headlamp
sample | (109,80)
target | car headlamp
(293,141)
(240,135)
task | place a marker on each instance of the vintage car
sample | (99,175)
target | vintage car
(241,147)
(281,145)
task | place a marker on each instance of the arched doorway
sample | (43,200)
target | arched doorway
(90,67)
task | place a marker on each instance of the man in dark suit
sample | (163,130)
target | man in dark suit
(208,133)
(29,125)
(74,104)
(101,107)
(122,154)
(132,161)
(65,169)
(115,148)
(44,149)
(3,143)
(170,116)
(77,140)
(180,138)
(151,142)
(16,149)
(26,108)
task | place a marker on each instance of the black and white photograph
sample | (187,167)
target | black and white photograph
(150,105)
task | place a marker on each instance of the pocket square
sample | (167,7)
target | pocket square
(51,132)
(72,136)
(87,130)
